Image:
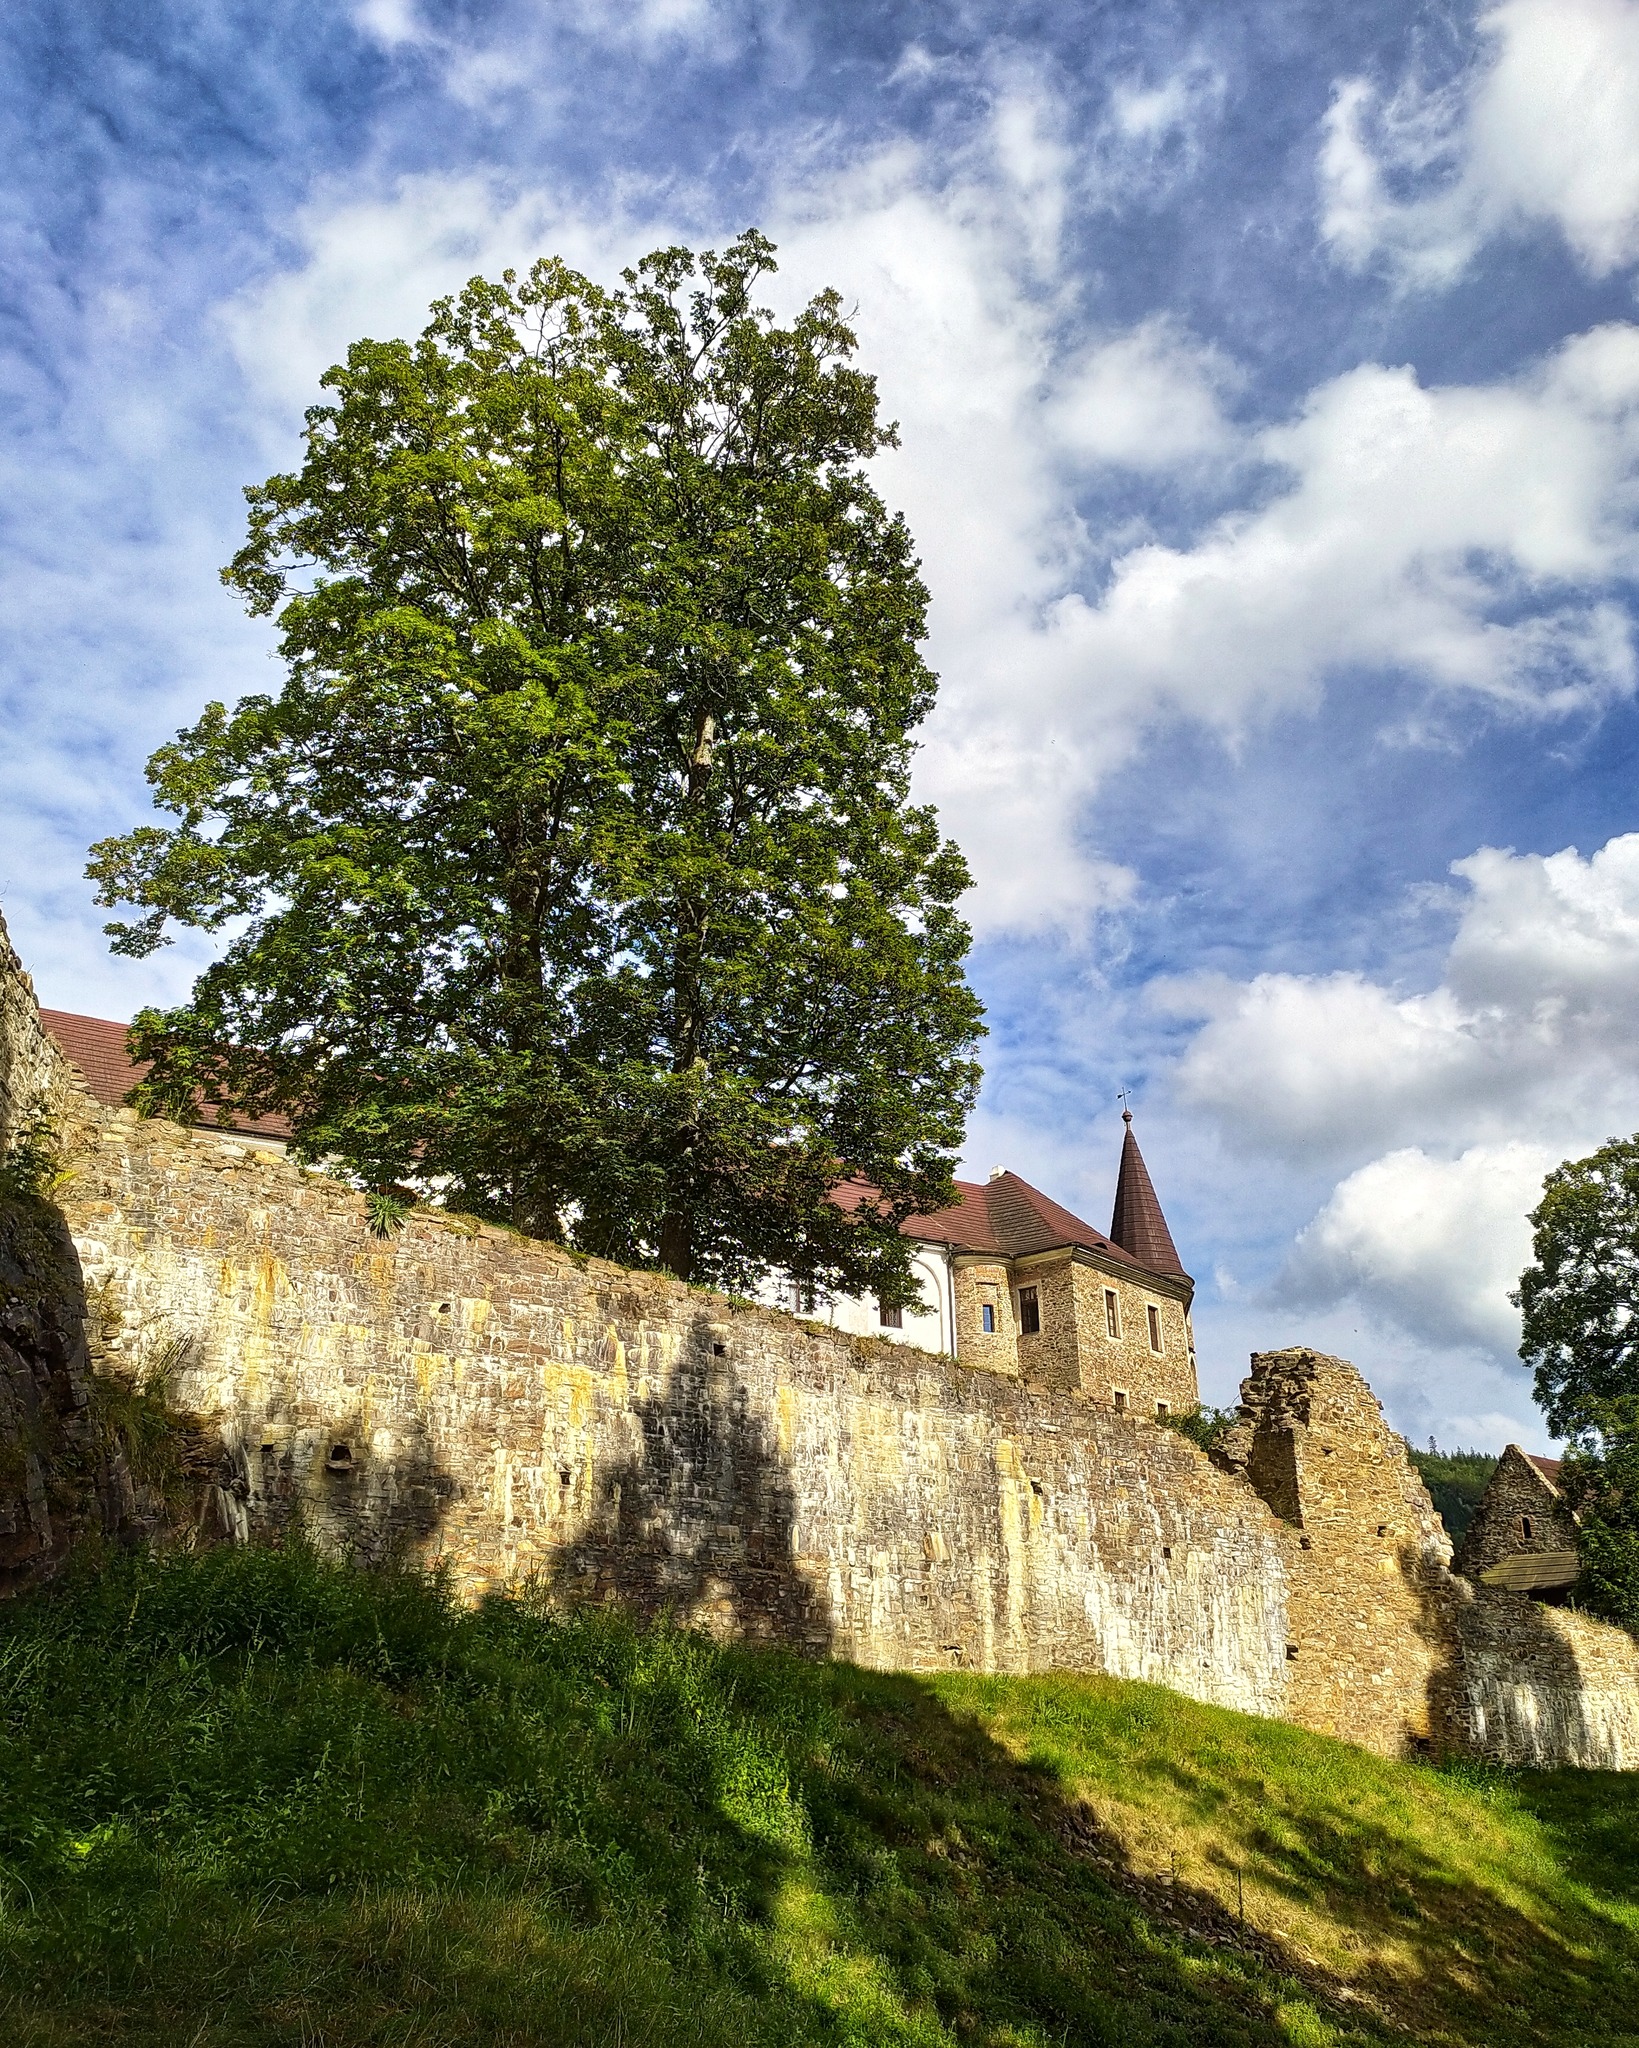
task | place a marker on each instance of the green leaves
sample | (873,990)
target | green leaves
(1579,1298)
(572,872)
(1581,1293)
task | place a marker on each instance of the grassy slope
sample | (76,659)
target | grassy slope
(257,1798)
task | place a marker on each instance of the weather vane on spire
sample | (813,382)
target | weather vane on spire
(1124,1097)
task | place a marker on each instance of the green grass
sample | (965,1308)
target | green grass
(255,1797)
(1455,1480)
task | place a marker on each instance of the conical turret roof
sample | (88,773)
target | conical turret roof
(1138,1225)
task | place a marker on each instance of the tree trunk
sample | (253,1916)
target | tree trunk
(676,1250)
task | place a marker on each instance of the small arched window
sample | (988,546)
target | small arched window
(1527,1527)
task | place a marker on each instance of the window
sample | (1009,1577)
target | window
(1525,1527)
(1155,1326)
(1120,1400)
(1162,1410)
(987,1318)
(1029,1311)
(890,1318)
(1112,1312)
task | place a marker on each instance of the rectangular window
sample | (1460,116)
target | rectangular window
(890,1318)
(1112,1312)
(1120,1400)
(987,1318)
(1155,1327)
(1029,1311)
(1162,1410)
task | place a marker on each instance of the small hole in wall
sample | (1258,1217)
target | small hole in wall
(340,1458)
(1035,1488)
(1166,1550)
(443,1308)
(1291,1653)
(719,1350)
(1382,1528)
(1304,1543)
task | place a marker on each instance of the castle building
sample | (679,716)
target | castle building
(1011,1282)
(1016,1284)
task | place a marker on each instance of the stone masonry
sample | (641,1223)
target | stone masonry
(1521,1514)
(466,1396)
(1371,1607)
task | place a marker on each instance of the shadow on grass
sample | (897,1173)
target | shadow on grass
(1450,1902)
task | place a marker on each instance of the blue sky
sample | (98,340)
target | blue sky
(1269,387)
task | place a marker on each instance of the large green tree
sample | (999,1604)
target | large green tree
(573,870)
(1580,1303)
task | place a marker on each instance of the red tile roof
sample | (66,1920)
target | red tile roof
(1548,1467)
(96,1045)
(1006,1216)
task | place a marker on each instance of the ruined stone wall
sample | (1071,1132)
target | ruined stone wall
(1516,1493)
(1543,1686)
(495,1405)
(35,1079)
(1373,1649)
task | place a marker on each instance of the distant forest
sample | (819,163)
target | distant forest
(1455,1480)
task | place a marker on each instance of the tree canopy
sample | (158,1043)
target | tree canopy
(1580,1298)
(573,871)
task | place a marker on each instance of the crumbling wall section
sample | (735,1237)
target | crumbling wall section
(36,1082)
(1373,1650)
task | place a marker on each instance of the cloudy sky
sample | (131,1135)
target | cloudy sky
(1268,376)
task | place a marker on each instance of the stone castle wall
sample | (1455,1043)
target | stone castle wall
(502,1408)
(496,1405)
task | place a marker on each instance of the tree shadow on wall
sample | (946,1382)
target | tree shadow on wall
(352,1501)
(1538,1714)
(700,1521)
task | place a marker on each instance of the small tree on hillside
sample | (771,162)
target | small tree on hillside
(574,867)
(1580,1298)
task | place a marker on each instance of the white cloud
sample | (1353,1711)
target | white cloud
(1464,536)
(1150,399)
(1152,132)
(1454,1102)
(1545,130)
(1435,1244)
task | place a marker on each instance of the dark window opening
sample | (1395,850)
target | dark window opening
(890,1318)
(1155,1327)
(1526,1528)
(1029,1311)
(1112,1312)
(1121,1400)
(1162,1410)
(987,1318)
